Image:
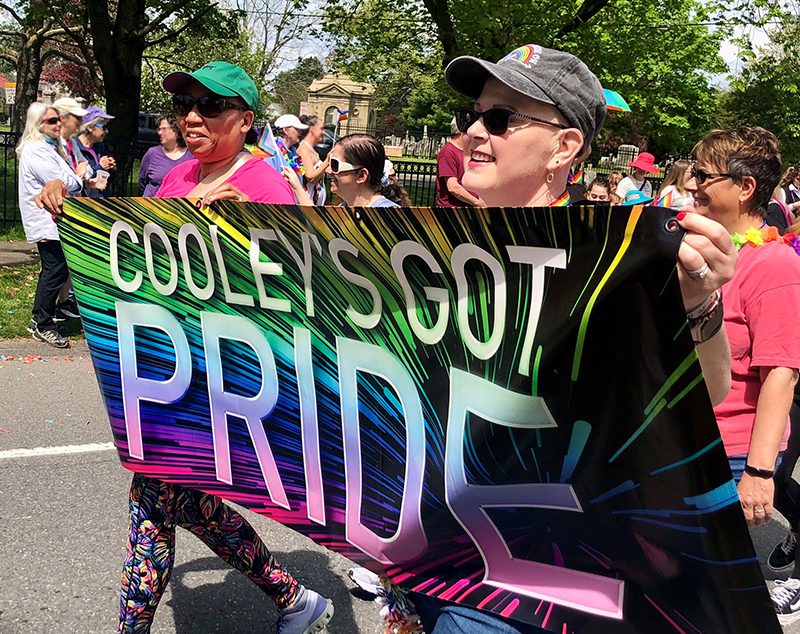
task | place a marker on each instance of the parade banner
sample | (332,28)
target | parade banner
(500,408)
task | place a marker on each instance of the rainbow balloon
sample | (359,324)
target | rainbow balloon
(615,102)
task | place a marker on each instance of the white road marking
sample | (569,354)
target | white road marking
(56,451)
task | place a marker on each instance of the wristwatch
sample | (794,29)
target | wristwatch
(759,473)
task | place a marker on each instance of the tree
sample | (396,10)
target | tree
(275,28)
(226,40)
(659,54)
(767,93)
(290,87)
(32,36)
(399,54)
(75,77)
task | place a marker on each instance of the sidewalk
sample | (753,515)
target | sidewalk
(15,252)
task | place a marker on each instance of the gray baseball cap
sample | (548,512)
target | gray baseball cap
(544,74)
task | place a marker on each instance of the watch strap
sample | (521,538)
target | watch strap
(759,473)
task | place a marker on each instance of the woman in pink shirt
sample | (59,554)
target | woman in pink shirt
(732,181)
(215,106)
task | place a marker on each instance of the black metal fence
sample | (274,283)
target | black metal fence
(418,177)
(411,143)
(9,180)
(419,180)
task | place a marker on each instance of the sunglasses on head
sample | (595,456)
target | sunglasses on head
(338,166)
(52,120)
(208,106)
(495,120)
(701,176)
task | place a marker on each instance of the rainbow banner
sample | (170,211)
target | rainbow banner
(501,408)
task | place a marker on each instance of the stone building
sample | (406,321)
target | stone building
(338,92)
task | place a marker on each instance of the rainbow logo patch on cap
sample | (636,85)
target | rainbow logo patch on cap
(527,55)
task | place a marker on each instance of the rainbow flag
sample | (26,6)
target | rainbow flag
(577,177)
(343,115)
(665,200)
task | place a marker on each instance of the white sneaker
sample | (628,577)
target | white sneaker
(786,600)
(365,579)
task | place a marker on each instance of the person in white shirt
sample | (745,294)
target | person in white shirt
(643,165)
(40,160)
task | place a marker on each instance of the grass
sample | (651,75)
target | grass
(12,233)
(17,286)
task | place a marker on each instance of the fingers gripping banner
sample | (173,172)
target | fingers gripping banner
(500,408)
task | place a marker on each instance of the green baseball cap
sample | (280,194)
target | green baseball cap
(221,78)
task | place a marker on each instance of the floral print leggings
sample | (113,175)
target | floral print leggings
(156,508)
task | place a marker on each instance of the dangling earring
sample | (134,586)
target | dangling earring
(550,177)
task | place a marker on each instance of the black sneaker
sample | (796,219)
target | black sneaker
(782,556)
(31,326)
(53,337)
(67,310)
(786,600)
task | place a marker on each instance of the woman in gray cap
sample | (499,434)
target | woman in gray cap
(536,110)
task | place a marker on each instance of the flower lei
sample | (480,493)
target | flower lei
(291,157)
(757,237)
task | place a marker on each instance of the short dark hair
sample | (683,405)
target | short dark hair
(367,151)
(744,152)
(172,120)
(601,181)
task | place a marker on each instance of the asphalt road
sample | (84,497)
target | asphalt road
(63,521)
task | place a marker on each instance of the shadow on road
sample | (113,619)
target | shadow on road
(236,605)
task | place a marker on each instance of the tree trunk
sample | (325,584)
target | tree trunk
(440,13)
(118,49)
(123,87)
(29,69)
(123,92)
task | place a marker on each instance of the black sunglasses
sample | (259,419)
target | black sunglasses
(52,120)
(495,120)
(701,176)
(209,106)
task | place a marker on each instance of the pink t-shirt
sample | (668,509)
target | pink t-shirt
(257,179)
(761,306)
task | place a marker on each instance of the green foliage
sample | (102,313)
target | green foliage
(222,40)
(663,73)
(289,87)
(397,52)
(767,93)
(659,54)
